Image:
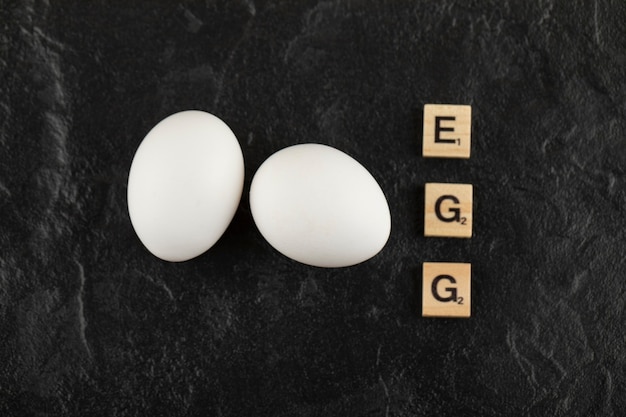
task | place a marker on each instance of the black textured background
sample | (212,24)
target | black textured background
(92,325)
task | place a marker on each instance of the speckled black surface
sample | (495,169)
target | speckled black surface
(92,325)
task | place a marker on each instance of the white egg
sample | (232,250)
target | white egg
(185,184)
(317,205)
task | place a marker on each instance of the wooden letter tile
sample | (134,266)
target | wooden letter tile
(448,210)
(447,131)
(446,290)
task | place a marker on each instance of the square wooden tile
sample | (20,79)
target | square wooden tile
(447,289)
(447,131)
(448,210)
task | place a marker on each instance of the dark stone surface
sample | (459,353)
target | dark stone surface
(92,325)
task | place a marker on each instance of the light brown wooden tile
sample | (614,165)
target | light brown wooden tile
(447,289)
(448,210)
(447,131)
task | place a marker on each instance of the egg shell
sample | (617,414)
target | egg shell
(185,184)
(319,206)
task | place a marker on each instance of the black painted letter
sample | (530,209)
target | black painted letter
(439,129)
(451,290)
(456,217)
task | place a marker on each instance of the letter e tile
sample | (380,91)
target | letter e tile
(447,131)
